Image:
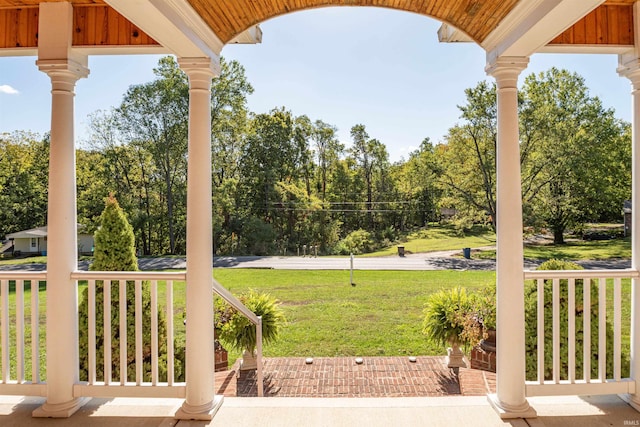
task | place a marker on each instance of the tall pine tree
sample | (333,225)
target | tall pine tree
(115,251)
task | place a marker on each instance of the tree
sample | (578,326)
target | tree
(155,116)
(469,159)
(24,168)
(371,157)
(583,154)
(417,185)
(115,251)
(327,152)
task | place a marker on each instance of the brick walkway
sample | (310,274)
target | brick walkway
(342,377)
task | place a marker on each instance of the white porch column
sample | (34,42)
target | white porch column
(62,292)
(509,400)
(630,68)
(201,402)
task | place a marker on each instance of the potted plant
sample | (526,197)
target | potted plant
(239,333)
(479,323)
(443,322)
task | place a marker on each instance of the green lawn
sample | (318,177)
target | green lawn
(440,238)
(381,315)
(572,251)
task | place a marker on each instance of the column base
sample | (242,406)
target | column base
(508,412)
(204,412)
(632,399)
(60,410)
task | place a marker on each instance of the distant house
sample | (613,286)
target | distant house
(627,217)
(447,213)
(34,241)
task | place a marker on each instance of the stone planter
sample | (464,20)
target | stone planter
(249,361)
(455,357)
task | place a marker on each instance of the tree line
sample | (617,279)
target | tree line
(281,181)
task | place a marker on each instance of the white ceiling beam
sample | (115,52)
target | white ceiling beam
(532,24)
(172,23)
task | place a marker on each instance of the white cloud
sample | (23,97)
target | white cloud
(8,90)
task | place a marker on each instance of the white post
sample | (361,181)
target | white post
(201,402)
(62,292)
(509,400)
(630,68)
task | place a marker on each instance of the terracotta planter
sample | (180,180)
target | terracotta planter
(489,344)
(222,357)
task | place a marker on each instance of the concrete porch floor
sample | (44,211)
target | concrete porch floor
(382,391)
(348,412)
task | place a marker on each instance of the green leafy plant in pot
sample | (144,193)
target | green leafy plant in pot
(239,333)
(443,321)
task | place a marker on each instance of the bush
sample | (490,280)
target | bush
(357,242)
(444,316)
(531,304)
(115,251)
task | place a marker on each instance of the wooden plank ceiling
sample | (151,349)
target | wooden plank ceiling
(96,24)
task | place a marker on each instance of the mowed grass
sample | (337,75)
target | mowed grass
(380,316)
(572,250)
(440,238)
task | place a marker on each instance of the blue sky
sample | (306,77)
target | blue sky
(378,67)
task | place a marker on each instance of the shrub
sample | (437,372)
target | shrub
(444,314)
(115,251)
(531,305)
(356,242)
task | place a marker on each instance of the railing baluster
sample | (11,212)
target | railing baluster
(139,314)
(617,327)
(20,331)
(586,327)
(556,330)
(540,284)
(107,331)
(91,333)
(571,328)
(602,329)
(35,331)
(4,330)
(170,350)
(154,332)
(122,304)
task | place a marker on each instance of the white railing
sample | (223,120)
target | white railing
(22,345)
(146,381)
(563,379)
(20,334)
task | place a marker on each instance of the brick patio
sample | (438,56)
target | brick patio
(342,377)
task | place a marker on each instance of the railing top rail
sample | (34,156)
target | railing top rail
(129,275)
(23,275)
(581,274)
(235,303)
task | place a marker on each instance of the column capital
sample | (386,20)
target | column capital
(200,71)
(629,67)
(506,69)
(64,73)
